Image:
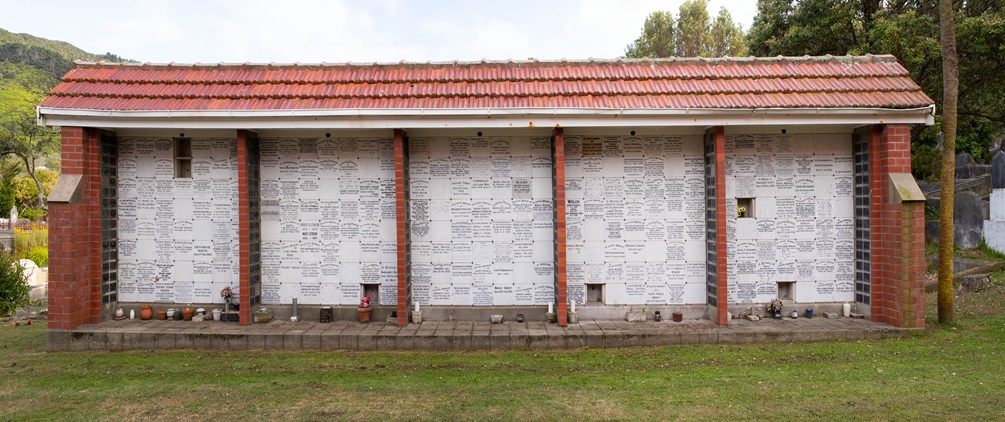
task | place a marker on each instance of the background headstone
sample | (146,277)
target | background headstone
(994,228)
(968,219)
(37,281)
(964,163)
(998,171)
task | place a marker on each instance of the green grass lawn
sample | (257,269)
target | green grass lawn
(952,372)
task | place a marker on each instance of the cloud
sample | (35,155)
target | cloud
(310,31)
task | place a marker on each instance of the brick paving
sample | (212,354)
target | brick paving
(452,335)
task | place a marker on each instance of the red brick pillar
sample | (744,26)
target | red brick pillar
(401,213)
(558,170)
(719,167)
(75,235)
(898,233)
(243,229)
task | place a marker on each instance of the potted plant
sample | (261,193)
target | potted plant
(364,310)
(775,308)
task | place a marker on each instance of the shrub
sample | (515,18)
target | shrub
(13,286)
(39,255)
(33,214)
(26,240)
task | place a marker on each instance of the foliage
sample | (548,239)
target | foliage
(773,306)
(727,37)
(908,29)
(694,34)
(13,285)
(33,214)
(693,37)
(21,137)
(26,191)
(6,197)
(39,255)
(25,240)
(657,39)
(63,49)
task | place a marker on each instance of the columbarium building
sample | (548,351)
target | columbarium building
(700,186)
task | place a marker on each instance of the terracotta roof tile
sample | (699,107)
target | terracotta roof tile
(835,82)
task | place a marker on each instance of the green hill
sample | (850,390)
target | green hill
(31,66)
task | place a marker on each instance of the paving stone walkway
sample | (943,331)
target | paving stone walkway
(452,335)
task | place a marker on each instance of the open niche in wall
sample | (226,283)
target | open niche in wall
(787,290)
(745,207)
(594,294)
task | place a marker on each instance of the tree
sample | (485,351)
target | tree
(950,76)
(693,35)
(22,137)
(657,39)
(727,37)
(908,29)
(771,23)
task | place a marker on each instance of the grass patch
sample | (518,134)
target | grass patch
(931,248)
(989,253)
(952,372)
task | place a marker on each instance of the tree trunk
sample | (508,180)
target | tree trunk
(31,172)
(951,81)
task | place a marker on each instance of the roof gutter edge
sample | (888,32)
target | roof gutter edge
(367,118)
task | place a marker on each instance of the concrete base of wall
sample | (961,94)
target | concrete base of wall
(451,336)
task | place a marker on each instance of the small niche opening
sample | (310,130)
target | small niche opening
(183,158)
(787,290)
(744,207)
(372,290)
(595,294)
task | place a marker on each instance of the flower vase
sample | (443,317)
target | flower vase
(146,313)
(778,315)
(364,314)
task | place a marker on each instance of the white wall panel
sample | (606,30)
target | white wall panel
(802,227)
(178,237)
(481,221)
(328,219)
(635,217)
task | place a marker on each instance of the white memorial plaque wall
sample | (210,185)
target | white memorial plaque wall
(178,236)
(482,226)
(635,218)
(328,219)
(800,228)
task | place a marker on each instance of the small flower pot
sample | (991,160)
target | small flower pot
(364,314)
(162,314)
(678,317)
(186,313)
(146,313)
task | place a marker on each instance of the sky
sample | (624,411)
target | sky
(337,31)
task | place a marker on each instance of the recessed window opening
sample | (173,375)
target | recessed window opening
(183,158)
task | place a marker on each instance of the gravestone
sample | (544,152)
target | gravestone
(36,281)
(964,166)
(968,212)
(998,171)
(994,229)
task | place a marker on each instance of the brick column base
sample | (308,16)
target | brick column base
(898,234)
(75,236)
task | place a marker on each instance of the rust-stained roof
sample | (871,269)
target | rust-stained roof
(728,83)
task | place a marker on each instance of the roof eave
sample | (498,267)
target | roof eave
(476,118)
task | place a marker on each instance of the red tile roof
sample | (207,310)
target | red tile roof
(802,82)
